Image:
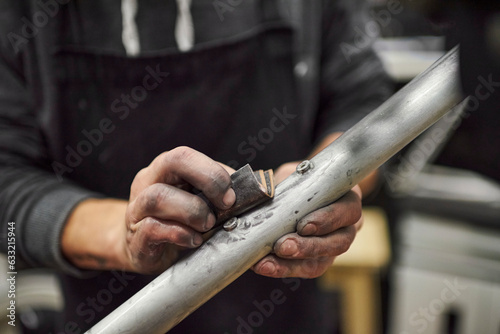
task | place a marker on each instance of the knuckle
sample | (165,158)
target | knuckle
(282,271)
(316,267)
(172,160)
(319,270)
(354,201)
(343,246)
(345,213)
(308,268)
(138,179)
(154,196)
(220,176)
(356,214)
(149,227)
(155,232)
(152,249)
(180,238)
(141,174)
(160,160)
(220,181)
(196,208)
(328,219)
(311,274)
(311,248)
(345,242)
(180,153)
(325,219)
(150,201)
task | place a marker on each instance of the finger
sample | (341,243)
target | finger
(146,236)
(185,165)
(151,245)
(294,246)
(166,202)
(273,266)
(345,212)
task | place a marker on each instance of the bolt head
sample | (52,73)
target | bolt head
(304,166)
(231,224)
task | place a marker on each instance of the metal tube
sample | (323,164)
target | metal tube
(228,254)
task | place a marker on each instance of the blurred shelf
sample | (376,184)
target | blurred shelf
(356,274)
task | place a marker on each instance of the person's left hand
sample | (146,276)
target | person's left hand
(320,237)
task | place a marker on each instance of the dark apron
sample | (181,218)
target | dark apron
(233,101)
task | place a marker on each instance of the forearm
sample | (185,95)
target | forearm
(93,237)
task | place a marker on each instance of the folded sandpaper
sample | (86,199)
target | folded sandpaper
(251,188)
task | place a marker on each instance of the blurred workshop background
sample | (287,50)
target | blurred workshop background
(440,271)
(428,257)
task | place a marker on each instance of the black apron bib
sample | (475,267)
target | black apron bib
(234,101)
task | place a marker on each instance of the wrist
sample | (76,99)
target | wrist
(94,234)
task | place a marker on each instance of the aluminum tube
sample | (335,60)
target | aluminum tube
(192,281)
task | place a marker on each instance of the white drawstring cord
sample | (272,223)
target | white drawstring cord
(130,34)
(184,29)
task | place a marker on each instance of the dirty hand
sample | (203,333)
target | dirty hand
(320,237)
(163,216)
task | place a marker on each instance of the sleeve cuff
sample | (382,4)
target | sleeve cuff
(44,226)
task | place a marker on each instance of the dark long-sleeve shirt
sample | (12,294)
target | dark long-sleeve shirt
(338,80)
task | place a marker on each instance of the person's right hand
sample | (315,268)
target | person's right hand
(161,217)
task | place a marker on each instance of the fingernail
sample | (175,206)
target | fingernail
(197,240)
(268,268)
(229,197)
(309,229)
(288,248)
(210,222)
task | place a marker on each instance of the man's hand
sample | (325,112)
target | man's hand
(161,217)
(320,237)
